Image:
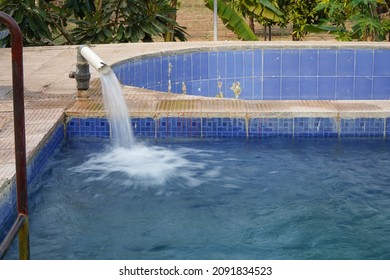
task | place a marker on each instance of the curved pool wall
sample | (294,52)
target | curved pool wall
(329,73)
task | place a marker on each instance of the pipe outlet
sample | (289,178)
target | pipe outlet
(92,57)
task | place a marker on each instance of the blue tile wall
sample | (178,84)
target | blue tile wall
(345,63)
(271,88)
(290,63)
(308,63)
(178,127)
(308,88)
(221,64)
(239,65)
(162,128)
(286,74)
(344,88)
(381,88)
(364,63)
(298,127)
(195,66)
(229,64)
(387,127)
(381,63)
(248,65)
(168,127)
(39,160)
(34,166)
(7,210)
(143,127)
(212,67)
(272,63)
(87,127)
(290,88)
(326,88)
(362,127)
(315,127)
(258,64)
(270,127)
(327,63)
(247,89)
(223,127)
(363,88)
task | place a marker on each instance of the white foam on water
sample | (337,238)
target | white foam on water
(151,167)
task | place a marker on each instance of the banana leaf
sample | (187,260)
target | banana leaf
(263,8)
(232,20)
(318,28)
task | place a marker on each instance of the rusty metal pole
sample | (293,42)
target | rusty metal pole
(19,128)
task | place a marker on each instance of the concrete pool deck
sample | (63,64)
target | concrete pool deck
(51,96)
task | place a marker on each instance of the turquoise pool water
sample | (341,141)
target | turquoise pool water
(215,199)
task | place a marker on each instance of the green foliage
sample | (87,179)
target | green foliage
(300,13)
(81,8)
(263,9)
(122,21)
(31,20)
(94,27)
(362,14)
(386,27)
(106,21)
(348,19)
(281,12)
(94,21)
(233,20)
(365,27)
(265,12)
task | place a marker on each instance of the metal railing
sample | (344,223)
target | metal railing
(20,226)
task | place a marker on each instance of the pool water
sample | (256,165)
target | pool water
(214,199)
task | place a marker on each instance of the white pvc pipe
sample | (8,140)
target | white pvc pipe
(91,57)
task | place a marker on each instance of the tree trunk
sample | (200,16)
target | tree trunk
(373,36)
(252,24)
(295,36)
(269,32)
(99,6)
(169,36)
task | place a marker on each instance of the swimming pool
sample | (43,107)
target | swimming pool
(217,199)
(365,77)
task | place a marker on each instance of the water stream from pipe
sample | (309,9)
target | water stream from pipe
(115,105)
(145,166)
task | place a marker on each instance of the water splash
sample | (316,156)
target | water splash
(134,164)
(115,105)
(143,167)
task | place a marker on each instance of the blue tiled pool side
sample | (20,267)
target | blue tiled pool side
(235,127)
(266,74)
(8,195)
